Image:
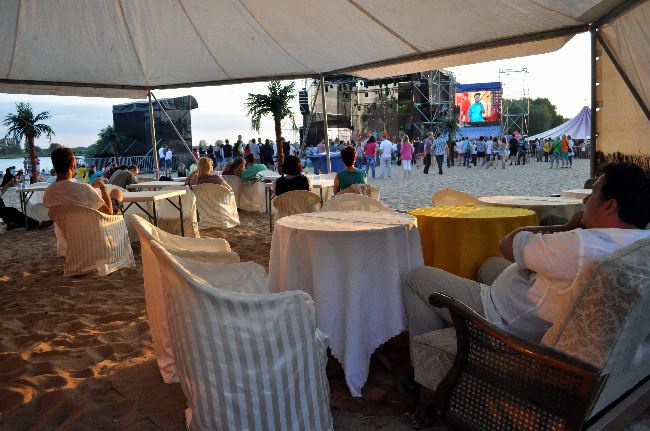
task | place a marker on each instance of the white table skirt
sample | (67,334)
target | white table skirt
(353,265)
(576,193)
(550,210)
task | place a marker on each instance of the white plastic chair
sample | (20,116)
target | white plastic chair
(362,189)
(245,361)
(216,206)
(353,202)
(95,242)
(446,197)
(169,219)
(295,202)
(211,250)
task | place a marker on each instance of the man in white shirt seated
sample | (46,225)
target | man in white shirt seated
(535,292)
(65,191)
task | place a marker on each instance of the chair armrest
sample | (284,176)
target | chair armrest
(499,379)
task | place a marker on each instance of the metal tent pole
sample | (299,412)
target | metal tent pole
(594,104)
(152,125)
(174,127)
(327,143)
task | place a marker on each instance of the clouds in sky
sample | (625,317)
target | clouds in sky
(561,76)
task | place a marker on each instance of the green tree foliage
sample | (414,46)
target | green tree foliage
(108,140)
(542,115)
(25,125)
(277,103)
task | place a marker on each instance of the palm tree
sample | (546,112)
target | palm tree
(275,103)
(449,126)
(24,124)
(108,136)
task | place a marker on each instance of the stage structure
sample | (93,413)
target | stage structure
(479,109)
(411,104)
(133,121)
(516,112)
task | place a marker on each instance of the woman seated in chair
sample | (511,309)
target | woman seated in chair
(235,167)
(252,167)
(205,174)
(350,175)
(292,178)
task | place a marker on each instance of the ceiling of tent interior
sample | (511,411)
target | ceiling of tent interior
(120,48)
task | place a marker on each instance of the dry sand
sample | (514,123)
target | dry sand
(75,353)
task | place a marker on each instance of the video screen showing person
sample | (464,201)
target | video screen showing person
(478,108)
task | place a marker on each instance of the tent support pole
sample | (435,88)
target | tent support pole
(594,104)
(624,76)
(326,139)
(152,126)
(174,127)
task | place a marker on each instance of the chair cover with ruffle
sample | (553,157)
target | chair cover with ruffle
(295,202)
(447,197)
(244,360)
(210,250)
(95,242)
(354,202)
(362,189)
(216,205)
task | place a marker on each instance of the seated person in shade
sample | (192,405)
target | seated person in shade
(65,191)
(235,167)
(11,216)
(204,174)
(252,168)
(350,175)
(123,176)
(182,170)
(531,290)
(292,178)
(92,174)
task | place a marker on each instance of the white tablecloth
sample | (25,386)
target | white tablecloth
(550,210)
(352,264)
(576,193)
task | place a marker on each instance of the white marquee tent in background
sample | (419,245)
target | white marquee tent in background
(120,48)
(579,127)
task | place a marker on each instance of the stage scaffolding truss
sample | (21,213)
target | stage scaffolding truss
(411,104)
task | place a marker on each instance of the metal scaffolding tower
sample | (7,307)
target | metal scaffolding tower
(515,112)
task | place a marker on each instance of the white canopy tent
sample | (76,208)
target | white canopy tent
(118,48)
(579,127)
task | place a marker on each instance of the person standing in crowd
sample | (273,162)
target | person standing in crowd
(503,151)
(195,153)
(473,152)
(237,150)
(439,150)
(556,147)
(521,151)
(227,152)
(406,152)
(210,152)
(370,150)
(267,149)
(350,175)
(255,149)
(386,154)
(428,152)
(491,152)
(451,155)
(538,149)
(546,148)
(570,152)
(564,152)
(161,157)
(513,146)
(480,151)
(168,161)
(359,149)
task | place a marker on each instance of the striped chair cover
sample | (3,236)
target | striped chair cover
(95,242)
(362,189)
(295,202)
(353,202)
(216,205)
(453,197)
(245,361)
(235,184)
(214,250)
(169,219)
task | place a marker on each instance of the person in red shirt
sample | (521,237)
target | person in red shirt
(370,150)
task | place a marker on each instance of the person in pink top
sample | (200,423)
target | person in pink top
(370,150)
(406,152)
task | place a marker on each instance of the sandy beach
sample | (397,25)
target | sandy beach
(76,353)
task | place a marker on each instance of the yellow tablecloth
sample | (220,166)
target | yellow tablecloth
(459,238)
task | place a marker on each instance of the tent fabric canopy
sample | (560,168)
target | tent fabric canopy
(579,127)
(121,48)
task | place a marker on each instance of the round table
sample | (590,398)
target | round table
(352,263)
(576,193)
(459,238)
(550,210)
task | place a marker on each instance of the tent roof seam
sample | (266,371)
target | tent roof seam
(135,50)
(13,49)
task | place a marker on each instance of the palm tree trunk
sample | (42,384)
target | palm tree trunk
(115,152)
(32,156)
(278,140)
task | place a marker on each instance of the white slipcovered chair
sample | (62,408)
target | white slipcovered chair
(245,360)
(211,250)
(236,185)
(446,197)
(295,202)
(362,189)
(354,202)
(94,241)
(169,219)
(216,206)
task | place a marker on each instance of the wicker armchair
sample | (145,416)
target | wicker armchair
(502,382)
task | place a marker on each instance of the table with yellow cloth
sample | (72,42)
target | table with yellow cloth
(459,238)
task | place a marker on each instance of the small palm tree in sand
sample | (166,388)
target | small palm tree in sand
(24,124)
(275,103)
(108,136)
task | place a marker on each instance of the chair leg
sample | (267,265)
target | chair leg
(425,410)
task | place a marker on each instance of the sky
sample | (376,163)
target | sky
(562,76)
